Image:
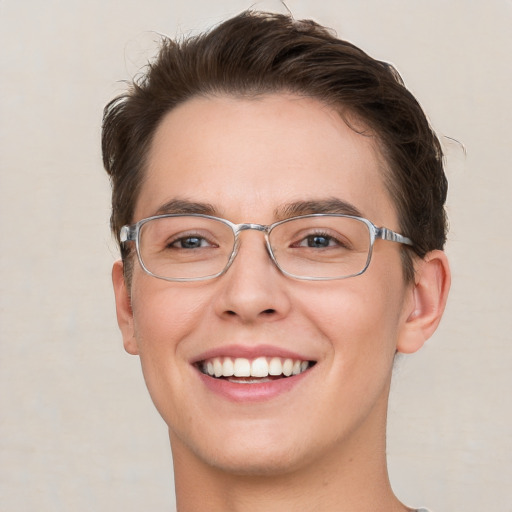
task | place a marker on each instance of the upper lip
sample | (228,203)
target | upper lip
(250,352)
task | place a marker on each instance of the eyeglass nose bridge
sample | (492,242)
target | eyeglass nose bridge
(245,227)
(237,229)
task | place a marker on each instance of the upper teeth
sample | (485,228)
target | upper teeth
(259,367)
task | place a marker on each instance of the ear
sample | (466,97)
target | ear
(124,308)
(427,301)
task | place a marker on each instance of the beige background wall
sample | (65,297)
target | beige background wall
(77,429)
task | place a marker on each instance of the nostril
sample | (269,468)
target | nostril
(264,312)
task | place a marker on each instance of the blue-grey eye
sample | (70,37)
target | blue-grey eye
(318,241)
(190,242)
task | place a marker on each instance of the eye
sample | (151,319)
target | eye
(189,242)
(318,241)
(321,241)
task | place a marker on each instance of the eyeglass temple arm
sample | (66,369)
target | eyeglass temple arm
(128,234)
(387,234)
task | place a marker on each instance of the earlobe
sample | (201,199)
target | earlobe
(124,308)
(428,300)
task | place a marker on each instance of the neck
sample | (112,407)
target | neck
(350,477)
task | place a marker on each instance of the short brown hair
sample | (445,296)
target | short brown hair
(258,53)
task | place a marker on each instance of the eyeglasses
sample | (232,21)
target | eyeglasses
(196,247)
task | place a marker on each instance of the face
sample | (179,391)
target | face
(248,160)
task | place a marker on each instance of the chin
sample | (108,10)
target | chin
(269,463)
(249,455)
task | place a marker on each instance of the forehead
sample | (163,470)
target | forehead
(248,157)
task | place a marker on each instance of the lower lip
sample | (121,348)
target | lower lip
(255,392)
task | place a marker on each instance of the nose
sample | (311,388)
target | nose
(253,288)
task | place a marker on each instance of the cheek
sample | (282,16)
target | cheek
(358,321)
(164,314)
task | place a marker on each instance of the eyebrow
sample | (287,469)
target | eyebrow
(186,206)
(329,205)
(286,211)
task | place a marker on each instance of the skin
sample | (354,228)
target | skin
(321,444)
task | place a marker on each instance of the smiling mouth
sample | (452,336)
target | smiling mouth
(250,371)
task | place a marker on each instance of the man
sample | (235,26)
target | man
(278,197)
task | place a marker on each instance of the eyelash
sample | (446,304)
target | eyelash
(337,241)
(181,238)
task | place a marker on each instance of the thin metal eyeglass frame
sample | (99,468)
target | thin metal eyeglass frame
(131,233)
